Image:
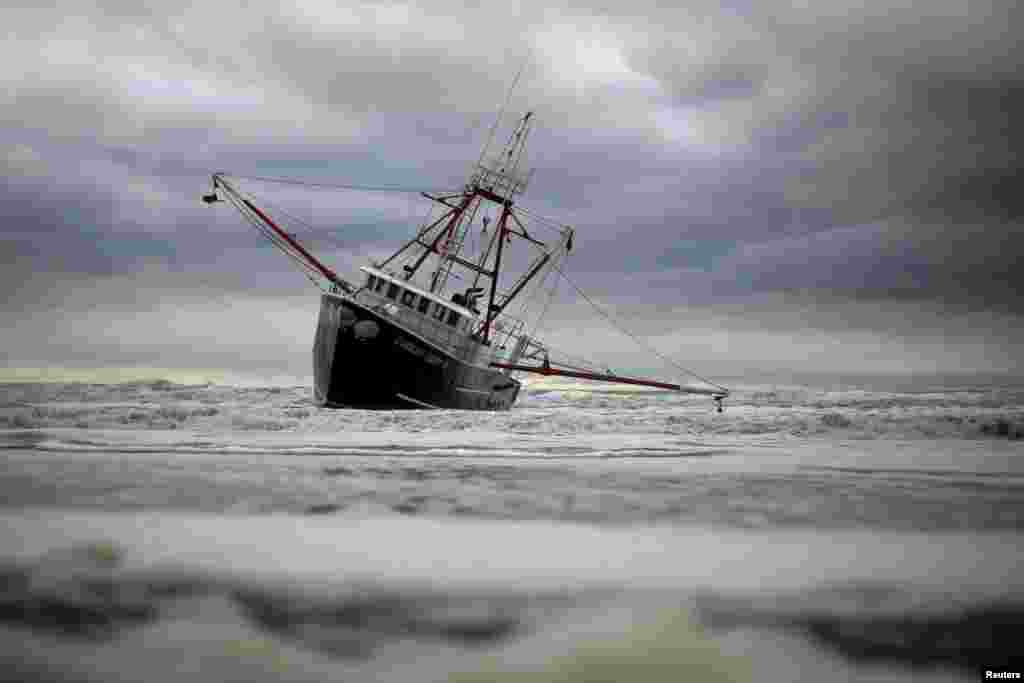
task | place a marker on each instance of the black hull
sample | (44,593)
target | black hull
(364,360)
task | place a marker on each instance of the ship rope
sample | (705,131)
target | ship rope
(341,186)
(543,221)
(614,323)
(307,227)
(306,269)
(299,225)
(542,286)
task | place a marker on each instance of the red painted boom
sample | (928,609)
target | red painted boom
(602,377)
(312,260)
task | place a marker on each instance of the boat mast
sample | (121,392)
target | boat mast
(498,180)
(494,180)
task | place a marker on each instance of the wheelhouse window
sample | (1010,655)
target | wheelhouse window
(424,305)
(393,290)
(409,298)
(371,280)
(380,284)
(453,318)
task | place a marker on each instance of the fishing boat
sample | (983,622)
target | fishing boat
(444,321)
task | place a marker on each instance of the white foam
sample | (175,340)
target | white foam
(550,408)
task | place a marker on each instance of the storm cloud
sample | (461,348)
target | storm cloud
(746,179)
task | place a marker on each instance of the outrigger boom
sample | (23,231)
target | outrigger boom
(279,237)
(715,392)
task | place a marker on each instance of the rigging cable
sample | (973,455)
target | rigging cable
(542,220)
(305,267)
(330,235)
(551,293)
(341,186)
(632,336)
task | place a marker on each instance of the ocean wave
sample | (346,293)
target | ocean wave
(793,412)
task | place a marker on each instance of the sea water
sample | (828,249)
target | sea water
(152,531)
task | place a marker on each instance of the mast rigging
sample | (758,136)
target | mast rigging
(398,295)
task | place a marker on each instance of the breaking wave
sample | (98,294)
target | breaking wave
(546,408)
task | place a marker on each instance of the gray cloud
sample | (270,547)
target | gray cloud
(834,156)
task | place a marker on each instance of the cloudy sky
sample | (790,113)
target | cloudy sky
(819,187)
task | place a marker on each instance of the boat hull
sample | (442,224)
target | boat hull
(362,359)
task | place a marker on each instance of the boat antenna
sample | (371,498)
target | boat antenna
(501,111)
